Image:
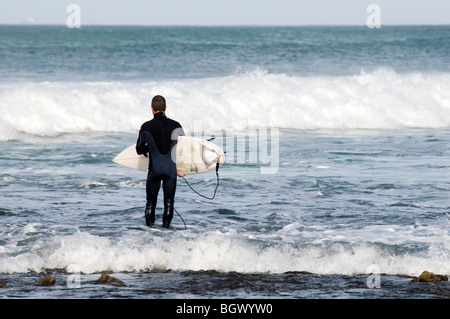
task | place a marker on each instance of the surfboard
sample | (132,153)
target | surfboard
(192,156)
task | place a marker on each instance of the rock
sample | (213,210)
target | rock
(109,280)
(154,291)
(47,281)
(427,276)
(443,293)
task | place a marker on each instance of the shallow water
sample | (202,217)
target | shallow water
(337,172)
(314,229)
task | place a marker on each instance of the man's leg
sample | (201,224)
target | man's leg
(169,188)
(152,189)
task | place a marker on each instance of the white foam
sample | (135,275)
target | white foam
(383,99)
(216,250)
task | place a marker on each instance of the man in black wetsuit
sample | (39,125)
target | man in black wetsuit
(156,140)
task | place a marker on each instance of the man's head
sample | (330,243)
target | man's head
(158,104)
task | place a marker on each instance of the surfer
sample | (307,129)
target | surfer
(156,139)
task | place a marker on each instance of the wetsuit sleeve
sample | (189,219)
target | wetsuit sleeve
(175,133)
(141,146)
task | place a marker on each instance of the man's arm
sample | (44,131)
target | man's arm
(175,133)
(141,146)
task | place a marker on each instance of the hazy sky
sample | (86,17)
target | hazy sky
(226,12)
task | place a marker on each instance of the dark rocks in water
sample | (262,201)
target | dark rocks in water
(109,280)
(443,293)
(47,281)
(154,291)
(427,276)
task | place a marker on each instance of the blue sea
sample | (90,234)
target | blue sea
(336,185)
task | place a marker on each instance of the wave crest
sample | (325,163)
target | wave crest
(382,99)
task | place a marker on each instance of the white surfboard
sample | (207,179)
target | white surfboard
(192,156)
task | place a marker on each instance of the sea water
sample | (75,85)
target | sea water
(337,179)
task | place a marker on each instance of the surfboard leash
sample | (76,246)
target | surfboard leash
(210,198)
(215,190)
(180,217)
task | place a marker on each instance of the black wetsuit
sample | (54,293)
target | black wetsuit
(157,138)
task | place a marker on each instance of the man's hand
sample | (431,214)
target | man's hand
(180,175)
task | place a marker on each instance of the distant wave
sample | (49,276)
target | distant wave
(382,99)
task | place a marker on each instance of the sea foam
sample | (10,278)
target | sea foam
(216,250)
(383,99)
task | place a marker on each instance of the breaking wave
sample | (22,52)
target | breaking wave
(382,99)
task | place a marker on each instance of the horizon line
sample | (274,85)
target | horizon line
(221,25)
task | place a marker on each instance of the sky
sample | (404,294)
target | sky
(225,12)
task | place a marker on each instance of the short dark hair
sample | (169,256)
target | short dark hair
(159,103)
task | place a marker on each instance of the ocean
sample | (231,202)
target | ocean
(336,184)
